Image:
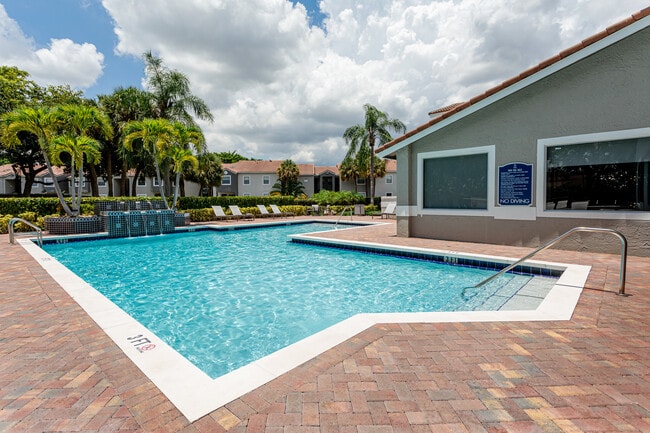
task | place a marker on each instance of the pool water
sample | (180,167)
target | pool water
(226,298)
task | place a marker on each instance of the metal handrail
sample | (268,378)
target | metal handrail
(37,230)
(336,226)
(621,290)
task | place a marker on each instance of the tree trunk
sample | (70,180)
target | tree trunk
(57,187)
(134,184)
(176,188)
(124,188)
(109,171)
(94,187)
(372,167)
(162,186)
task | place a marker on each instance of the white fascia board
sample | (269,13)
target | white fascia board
(525,82)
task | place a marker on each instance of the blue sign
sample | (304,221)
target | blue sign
(516,184)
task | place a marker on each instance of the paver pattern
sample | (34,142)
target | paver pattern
(60,372)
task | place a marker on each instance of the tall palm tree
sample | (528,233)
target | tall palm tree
(156,137)
(181,154)
(373,131)
(171,94)
(42,122)
(77,146)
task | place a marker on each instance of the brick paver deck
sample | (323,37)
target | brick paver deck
(60,372)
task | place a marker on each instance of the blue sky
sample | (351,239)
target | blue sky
(88,21)
(283,78)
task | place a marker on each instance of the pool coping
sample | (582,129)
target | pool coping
(197,394)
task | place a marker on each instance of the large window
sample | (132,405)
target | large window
(598,175)
(225,180)
(457,181)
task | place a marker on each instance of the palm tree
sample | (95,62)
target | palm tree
(180,158)
(172,97)
(84,121)
(288,179)
(181,154)
(41,122)
(122,106)
(156,137)
(77,146)
(349,171)
(373,131)
(209,172)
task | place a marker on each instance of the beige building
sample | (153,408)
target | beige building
(256,178)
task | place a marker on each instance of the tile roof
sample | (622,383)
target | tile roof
(7,170)
(320,169)
(265,167)
(456,108)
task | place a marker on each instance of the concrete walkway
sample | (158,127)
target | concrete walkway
(60,372)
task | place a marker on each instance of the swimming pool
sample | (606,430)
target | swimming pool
(224,299)
(196,394)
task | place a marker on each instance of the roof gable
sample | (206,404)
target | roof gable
(565,58)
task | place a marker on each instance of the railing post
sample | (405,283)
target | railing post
(621,289)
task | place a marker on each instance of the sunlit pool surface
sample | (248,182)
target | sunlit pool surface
(226,298)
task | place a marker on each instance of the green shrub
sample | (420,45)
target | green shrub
(331,198)
(201,215)
(4,224)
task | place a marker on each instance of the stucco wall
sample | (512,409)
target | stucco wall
(608,91)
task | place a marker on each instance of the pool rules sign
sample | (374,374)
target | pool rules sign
(516,184)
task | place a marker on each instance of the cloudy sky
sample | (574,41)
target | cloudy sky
(284,79)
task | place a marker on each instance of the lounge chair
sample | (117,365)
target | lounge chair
(220,214)
(277,212)
(264,212)
(313,210)
(237,213)
(390,210)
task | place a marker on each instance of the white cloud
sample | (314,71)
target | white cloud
(63,62)
(279,88)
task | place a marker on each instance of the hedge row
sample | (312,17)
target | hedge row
(46,206)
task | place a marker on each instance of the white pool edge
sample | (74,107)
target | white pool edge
(195,394)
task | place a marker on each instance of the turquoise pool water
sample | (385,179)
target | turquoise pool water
(226,298)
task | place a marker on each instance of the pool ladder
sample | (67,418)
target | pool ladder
(37,230)
(621,290)
(336,226)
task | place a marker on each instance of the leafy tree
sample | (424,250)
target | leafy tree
(81,126)
(231,157)
(76,146)
(156,137)
(121,106)
(363,138)
(180,158)
(209,172)
(42,123)
(181,154)
(172,98)
(288,179)
(17,91)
